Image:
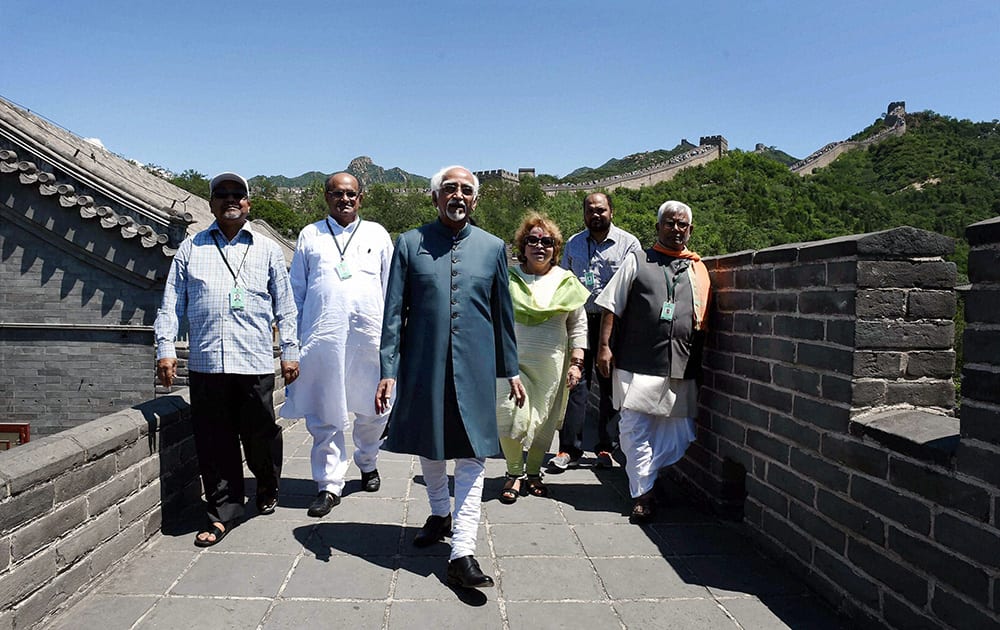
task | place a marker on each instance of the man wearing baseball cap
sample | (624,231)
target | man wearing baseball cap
(231,283)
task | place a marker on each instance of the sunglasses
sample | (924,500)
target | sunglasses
(229,195)
(338,194)
(545,241)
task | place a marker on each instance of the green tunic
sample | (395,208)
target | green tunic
(447,311)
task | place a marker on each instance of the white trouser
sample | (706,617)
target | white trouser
(469,475)
(649,444)
(329,452)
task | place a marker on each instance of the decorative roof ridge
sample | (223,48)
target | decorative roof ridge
(119,179)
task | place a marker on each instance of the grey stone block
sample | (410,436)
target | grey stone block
(795,431)
(140,503)
(134,454)
(753,323)
(800,276)
(881,303)
(976,541)
(851,515)
(905,241)
(888,502)
(827,302)
(904,274)
(816,527)
(116,548)
(984,232)
(941,488)
(980,420)
(24,507)
(879,364)
(771,348)
(984,265)
(760,279)
(855,455)
(26,577)
(103,497)
(39,461)
(822,414)
(80,480)
(733,300)
(845,576)
(48,598)
(4,553)
(981,305)
(43,531)
(84,540)
(939,364)
(968,579)
(905,335)
(828,475)
(767,445)
(776,302)
(771,397)
(931,305)
(958,613)
(889,571)
(788,481)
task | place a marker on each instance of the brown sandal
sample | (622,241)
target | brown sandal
(511,489)
(535,486)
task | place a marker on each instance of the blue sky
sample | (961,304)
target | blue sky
(268,88)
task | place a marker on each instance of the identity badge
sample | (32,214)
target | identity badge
(588,279)
(343,270)
(667,312)
(237,297)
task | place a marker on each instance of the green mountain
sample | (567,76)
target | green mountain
(777,154)
(361,167)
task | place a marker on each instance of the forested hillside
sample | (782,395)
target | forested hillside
(942,175)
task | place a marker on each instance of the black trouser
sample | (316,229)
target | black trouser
(227,409)
(571,434)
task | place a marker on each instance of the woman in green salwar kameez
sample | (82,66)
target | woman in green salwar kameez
(551,330)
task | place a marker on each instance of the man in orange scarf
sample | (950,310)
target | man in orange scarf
(660,299)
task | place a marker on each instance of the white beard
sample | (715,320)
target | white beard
(457,214)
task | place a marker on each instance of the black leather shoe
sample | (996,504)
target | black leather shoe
(266,502)
(324,502)
(465,572)
(435,529)
(370,481)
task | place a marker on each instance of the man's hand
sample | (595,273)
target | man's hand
(290,371)
(166,371)
(605,361)
(517,393)
(383,394)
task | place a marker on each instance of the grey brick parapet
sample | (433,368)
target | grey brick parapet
(828,421)
(75,503)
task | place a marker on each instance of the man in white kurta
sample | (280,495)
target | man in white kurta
(657,303)
(339,275)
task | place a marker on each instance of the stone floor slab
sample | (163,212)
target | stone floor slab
(561,615)
(618,539)
(341,577)
(314,615)
(678,614)
(104,612)
(534,539)
(234,574)
(148,574)
(217,613)
(549,579)
(642,578)
(481,613)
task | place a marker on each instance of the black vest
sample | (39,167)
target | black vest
(646,344)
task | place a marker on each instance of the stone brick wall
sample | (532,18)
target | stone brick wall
(827,422)
(75,330)
(73,504)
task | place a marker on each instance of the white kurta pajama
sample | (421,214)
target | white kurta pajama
(340,324)
(656,424)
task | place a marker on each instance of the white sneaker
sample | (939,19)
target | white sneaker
(562,461)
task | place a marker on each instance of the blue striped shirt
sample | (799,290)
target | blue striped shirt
(223,339)
(582,254)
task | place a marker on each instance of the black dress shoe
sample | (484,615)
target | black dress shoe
(266,502)
(465,572)
(435,529)
(370,481)
(324,502)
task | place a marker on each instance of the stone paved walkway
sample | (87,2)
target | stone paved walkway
(569,561)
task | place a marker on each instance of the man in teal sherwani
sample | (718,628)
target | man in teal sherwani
(447,335)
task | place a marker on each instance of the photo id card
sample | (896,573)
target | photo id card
(343,270)
(667,312)
(237,295)
(588,279)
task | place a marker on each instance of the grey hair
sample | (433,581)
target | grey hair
(438,178)
(674,206)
